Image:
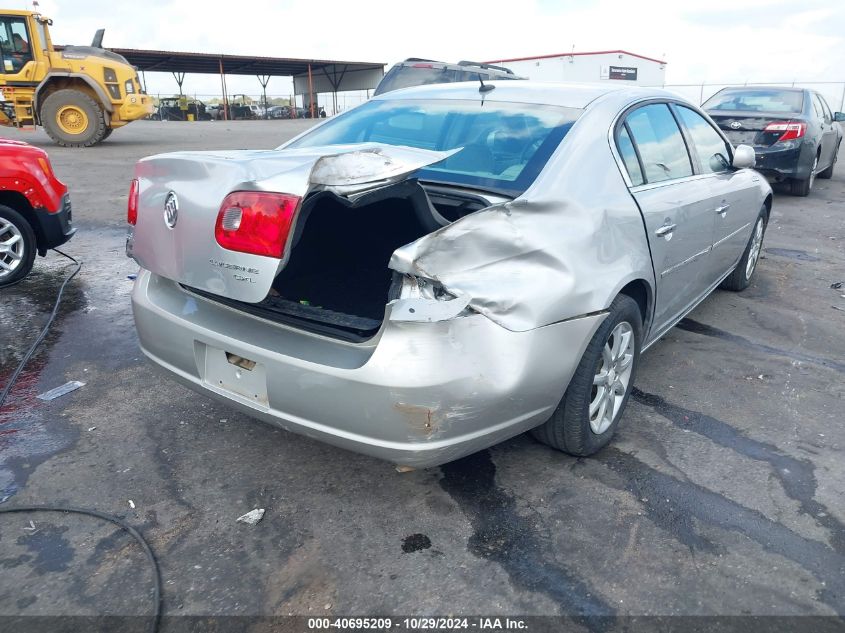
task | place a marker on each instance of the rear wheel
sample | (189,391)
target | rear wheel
(73,119)
(590,410)
(17,246)
(801,187)
(740,278)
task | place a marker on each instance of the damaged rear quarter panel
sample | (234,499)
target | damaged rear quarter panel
(563,249)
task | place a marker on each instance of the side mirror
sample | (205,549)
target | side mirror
(840,117)
(744,157)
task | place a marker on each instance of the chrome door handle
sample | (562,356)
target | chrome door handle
(723,209)
(666,229)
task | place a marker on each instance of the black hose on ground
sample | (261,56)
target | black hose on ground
(83,511)
(121,524)
(44,331)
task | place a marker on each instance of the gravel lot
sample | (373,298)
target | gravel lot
(722,494)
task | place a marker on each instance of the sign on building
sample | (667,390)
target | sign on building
(626,73)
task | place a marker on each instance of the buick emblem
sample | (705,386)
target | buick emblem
(736,125)
(171,210)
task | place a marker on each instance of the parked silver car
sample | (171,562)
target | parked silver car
(445,266)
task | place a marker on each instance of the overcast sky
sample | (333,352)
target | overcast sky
(716,41)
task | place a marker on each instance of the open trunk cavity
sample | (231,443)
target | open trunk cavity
(336,280)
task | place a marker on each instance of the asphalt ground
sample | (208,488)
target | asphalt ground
(721,495)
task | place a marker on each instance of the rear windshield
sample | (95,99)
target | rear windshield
(757,101)
(505,145)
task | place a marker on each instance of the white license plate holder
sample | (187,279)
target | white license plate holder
(236,374)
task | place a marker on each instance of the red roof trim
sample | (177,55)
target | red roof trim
(525,59)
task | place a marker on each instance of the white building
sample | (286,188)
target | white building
(595,67)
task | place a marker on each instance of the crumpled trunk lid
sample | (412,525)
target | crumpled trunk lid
(181,245)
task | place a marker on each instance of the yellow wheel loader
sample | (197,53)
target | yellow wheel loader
(78,95)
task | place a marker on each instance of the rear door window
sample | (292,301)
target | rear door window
(713,153)
(817,108)
(629,156)
(824,115)
(827,110)
(659,141)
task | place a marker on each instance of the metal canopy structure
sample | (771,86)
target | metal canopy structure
(209,63)
(310,76)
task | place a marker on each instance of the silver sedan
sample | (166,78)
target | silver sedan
(443,267)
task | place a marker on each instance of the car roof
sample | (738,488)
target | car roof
(572,95)
(412,62)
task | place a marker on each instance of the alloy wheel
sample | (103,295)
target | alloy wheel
(11,248)
(756,246)
(612,377)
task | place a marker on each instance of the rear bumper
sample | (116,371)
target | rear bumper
(54,229)
(418,394)
(781,161)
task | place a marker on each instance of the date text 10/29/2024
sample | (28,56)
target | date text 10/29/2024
(418,624)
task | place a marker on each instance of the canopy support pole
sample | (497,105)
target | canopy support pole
(311,90)
(223,89)
(264,80)
(180,79)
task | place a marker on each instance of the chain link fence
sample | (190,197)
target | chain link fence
(832,91)
(328,101)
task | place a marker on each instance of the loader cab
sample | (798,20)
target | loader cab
(16,44)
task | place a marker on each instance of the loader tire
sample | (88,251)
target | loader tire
(73,119)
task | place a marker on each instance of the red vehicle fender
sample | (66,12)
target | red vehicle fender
(26,169)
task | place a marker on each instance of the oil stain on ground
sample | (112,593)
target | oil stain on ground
(791,254)
(52,551)
(502,535)
(689,325)
(673,504)
(796,476)
(415,543)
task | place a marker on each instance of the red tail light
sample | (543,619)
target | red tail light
(789,130)
(256,222)
(132,205)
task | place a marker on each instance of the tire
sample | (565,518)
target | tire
(828,173)
(570,429)
(73,119)
(109,130)
(17,246)
(740,278)
(801,187)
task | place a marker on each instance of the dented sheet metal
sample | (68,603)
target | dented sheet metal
(562,249)
(371,165)
(507,261)
(427,310)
